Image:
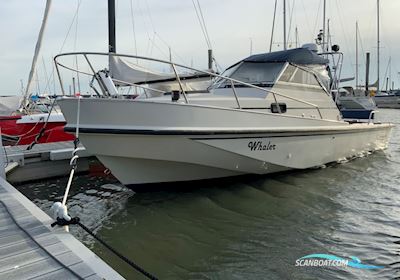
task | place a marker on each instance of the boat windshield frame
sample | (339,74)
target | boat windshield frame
(231,71)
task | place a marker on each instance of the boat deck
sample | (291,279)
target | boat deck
(31,249)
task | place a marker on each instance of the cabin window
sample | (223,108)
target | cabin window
(296,75)
(288,73)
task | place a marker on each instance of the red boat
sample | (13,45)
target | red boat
(35,128)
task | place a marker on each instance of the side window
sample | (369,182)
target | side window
(296,75)
(288,74)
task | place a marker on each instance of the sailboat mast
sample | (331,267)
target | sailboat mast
(356,54)
(37,51)
(378,47)
(273,27)
(111,26)
(284,25)
(324,28)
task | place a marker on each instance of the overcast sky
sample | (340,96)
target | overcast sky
(160,24)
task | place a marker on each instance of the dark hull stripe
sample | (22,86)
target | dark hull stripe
(235,133)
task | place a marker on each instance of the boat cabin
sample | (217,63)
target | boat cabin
(297,81)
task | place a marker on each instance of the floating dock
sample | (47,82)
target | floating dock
(31,249)
(43,161)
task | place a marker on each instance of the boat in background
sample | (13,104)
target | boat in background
(30,119)
(389,99)
(355,105)
(35,128)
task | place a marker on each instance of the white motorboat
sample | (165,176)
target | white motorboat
(268,113)
(388,100)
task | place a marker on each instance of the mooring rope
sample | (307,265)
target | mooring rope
(61,213)
(76,221)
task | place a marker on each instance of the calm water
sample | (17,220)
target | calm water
(254,228)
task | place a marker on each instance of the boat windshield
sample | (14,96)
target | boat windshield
(259,74)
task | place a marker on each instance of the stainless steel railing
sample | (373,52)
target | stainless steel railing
(177,77)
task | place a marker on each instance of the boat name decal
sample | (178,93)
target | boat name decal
(260,146)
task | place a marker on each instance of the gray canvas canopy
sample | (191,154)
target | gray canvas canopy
(295,56)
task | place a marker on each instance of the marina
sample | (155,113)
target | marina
(121,161)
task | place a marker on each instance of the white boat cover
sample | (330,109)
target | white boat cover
(134,73)
(9,104)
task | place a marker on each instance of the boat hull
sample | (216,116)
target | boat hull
(141,159)
(149,142)
(389,101)
(26,129)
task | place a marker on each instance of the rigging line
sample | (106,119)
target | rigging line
(133,30)
(317,18)
(37,82)
(307,21)
(150,16)
(45,73)
(153,45)
(204,23)
(291,18)
(51,80)
(48,78)
(72,24)
(201,25)
(338,7)
(65,39)
(172,50)
(273,27)
(201,20)
(145,28)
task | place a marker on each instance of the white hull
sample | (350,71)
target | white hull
(138,159)
(174,142)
